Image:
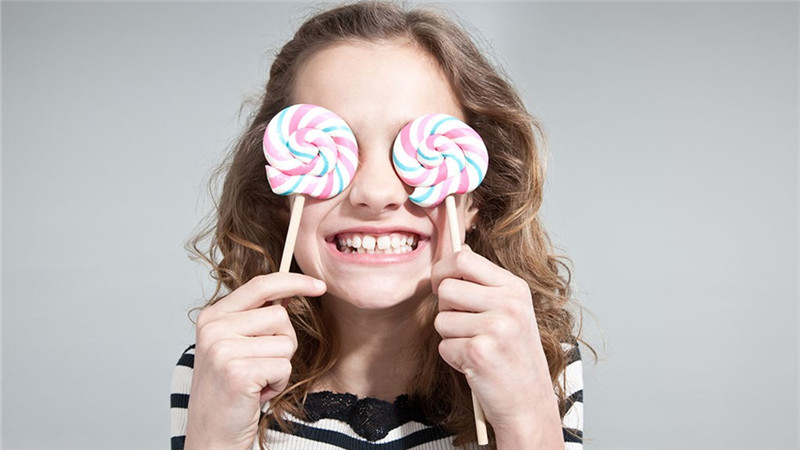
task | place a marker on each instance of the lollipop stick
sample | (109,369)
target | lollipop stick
(455,241)
(452,222)
(291,234)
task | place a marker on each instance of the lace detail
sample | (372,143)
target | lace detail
(370,417)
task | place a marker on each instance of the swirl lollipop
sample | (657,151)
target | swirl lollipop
(439,156)
(310,151)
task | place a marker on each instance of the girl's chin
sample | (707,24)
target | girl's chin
(376,299)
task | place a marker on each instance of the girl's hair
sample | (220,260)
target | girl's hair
(251,221)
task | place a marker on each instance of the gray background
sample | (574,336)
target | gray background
(672,185)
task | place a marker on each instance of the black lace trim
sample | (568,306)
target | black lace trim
(370,417)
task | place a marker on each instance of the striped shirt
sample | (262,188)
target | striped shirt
(336,421)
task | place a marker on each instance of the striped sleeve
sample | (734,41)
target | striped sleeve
(572,423)
(179,398)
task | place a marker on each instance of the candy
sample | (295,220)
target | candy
(311,151)
(439,155)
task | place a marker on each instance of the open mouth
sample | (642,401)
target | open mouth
(391,243)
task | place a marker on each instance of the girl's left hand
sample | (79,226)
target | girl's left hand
(489,333)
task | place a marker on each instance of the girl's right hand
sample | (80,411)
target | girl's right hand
(243,358)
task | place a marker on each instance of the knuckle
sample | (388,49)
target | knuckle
(521,287)
(204,317)
(233,374)
(496,325)
(439,322)
(479,351)
(442,347)
(209,332)
(285,345)
(258,283)
(220,351)
(204,340)
(280,313)
(462,260)
(284,367)
(446,287)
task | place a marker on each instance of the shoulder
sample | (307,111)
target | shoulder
(179,396)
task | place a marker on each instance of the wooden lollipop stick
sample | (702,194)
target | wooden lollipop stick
(452,223)
(291,234)
(455,241)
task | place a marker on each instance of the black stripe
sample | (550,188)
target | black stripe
(179,401)
(572,435)
(178,442)
(573,354)
(344,441)
(187,359)
(576,396)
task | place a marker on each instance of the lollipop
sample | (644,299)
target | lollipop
(310,151)
(440,155)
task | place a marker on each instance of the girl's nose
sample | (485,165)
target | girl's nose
(376,187)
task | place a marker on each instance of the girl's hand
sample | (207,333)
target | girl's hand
(242,358)
(489,333)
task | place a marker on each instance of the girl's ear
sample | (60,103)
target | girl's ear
(470,214)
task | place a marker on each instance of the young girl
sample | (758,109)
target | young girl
(384,350)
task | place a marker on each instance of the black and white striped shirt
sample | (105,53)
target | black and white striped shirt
(336,421)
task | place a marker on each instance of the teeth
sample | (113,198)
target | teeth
(368,242)
(394,243)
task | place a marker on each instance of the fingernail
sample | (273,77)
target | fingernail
(319,284)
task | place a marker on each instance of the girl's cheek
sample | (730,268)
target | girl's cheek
(438,217)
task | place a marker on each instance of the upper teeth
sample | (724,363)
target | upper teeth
(370,243)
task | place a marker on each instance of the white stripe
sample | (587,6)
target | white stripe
(282,441)
(573,446)
(181,380)
(574,417)
(177,421)
(346,429)
(574,378)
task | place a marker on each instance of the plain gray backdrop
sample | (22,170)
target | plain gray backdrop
(672,186)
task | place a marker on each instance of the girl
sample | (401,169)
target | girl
(382,350)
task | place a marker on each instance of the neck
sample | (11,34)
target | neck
(378,353)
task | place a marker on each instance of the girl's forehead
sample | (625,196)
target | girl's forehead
(375,83)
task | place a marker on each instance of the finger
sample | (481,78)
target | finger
(258,347)
(276,377)
(451,351)
(264,321)
(271,287)
(454,324)
(252,375)
(469,266)
(461,295)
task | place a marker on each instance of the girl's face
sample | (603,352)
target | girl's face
(376,88)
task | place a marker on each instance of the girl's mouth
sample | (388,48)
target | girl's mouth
(386,243)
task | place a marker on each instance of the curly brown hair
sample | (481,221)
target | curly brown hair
(245,235)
